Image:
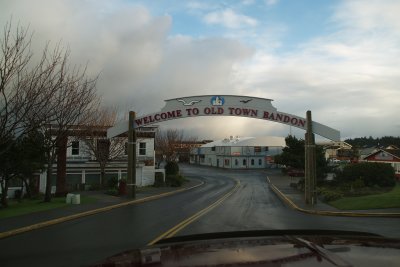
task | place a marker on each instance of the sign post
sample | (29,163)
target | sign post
(131,181)
(310,164)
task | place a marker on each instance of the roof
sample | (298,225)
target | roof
(335,144)
(249,141)
(368,150)
(393,152)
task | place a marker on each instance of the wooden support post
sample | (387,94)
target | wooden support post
(310,164)
(131,181)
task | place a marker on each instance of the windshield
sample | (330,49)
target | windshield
(124,123)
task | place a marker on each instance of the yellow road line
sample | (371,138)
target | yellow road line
(171,232)
(90,212)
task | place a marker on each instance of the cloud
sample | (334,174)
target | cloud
(271,2)
(196,5)
(133,51)
(194,67)
(348,78)
(371,16)
(229,18)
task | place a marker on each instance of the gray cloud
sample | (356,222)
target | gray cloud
(349,78)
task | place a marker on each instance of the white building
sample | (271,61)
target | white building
(239,152)
(83,170)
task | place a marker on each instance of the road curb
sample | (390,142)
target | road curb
(292,205)
(91,212)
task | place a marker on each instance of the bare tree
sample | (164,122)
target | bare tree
(15,56)
(70,106)
(45,95)
(169,142)
(25,86)
(35,93)
(95,138)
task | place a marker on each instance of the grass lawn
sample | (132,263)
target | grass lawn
(16,208)
(390,199)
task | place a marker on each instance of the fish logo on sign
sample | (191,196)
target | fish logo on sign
(217,101)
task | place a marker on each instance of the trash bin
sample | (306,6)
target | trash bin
(76,199)
(69,197)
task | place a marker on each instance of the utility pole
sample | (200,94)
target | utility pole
(131,181)
(310,164)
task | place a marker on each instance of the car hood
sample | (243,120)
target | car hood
(266,248)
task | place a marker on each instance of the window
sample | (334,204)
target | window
(126,148)
(266,148)
(226,162)
(252,162)
(142,149)
(244,162)
(257,149)
(213,148)
(236,162)
(75,148)
(259,162)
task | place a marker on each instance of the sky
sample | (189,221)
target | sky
(339,59)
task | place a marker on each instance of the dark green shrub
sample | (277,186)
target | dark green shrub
(370,173)
(112,192)
(328,195)
(357,184)
(171,168)
(174,180)
(112,182)
(159,180)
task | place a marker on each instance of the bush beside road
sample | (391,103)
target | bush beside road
(380,208)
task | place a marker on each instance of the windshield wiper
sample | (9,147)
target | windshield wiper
(324,253)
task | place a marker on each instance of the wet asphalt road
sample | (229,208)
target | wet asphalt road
(255,207)
(252,206)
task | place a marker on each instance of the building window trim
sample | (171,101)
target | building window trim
(75,148)
(142,149)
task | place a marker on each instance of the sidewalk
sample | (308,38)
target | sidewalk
(282,182)
(103,200)
(296,200)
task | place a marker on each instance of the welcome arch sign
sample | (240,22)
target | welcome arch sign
(223,105)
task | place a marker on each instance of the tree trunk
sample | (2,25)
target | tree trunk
(4,194)
(27,187)
(62,167)
(47,196)
(102,175)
